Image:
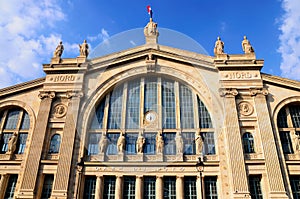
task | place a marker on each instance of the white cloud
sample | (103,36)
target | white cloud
(23,47)
(102,36)
(290,39)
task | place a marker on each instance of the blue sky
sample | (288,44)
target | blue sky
(30,30)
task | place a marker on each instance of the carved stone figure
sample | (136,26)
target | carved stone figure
(59,50)
(297,142)
(103,143)
(84,49)
(219,47)
(121,143)
(247,48)
(179,143)
(159,143)
(12,144)
(140,143)
(199,143)
(151,29)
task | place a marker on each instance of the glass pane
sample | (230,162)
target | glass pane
(109,187)
(209,143)
(170,187)
(12,119)
(210,186)
(286,142)
(295,114)
(248,143)
(189,143)
(47,187)
(25,121)
(112,143)
(90,187)
(93,148)
(149,187)
(150,143)
(170,144)
(11,185)
(255,188)
(115,108)
(129,187)
(150,94)
(282,119)
(54,144)
(190,189)
(131,143)
(186,107)
(97,122)
(133,105)
(22,142)
(168,105)
(204,117)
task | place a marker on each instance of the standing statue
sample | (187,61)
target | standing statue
(219,47)
(159,143)
(121,143)
(199,143)
(151,28)
(140,143)
(296,141)
(247,48)
(84,49)
(59,50)
(179,143)
(103,143)
(12,144)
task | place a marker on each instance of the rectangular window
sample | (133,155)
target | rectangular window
(12,119)
(286,142)
(131,143)
(97,122)
(133,105)
(168,105)
(170,144)
(204,117)
(93,147)
(209,143)
(149,187)
(295,115)
(112,143)
(186,107)
(109,187)
(190,188)
(210,187)
(22,142)
(189,143)
(47,186)
(129,187)
(115,108)
(11,185)
(255,187)
(170,187)
(295,184)
(89,187)
(4,142)
(150,143)
(150,95)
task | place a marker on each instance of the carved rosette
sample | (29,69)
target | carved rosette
(46,94)
(228,92)
(260,91)
(60,110)
(245,108)
(71,94)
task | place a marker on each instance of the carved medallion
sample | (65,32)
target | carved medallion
(245,108)
(60,110)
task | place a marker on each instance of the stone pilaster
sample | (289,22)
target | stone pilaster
(234,145)
(99,187)
(139,188)
(60,189)
(199,186)
(179,187)
(119,187)
(159,187)
(276,184)
(32,161)
(3,184)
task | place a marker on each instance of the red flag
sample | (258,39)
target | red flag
(149,11)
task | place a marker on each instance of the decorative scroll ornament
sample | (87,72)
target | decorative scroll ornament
(46,94)
(60,110)
(262,91)
(245,108)
(228,92)
(71,94)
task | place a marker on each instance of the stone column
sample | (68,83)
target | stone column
(60,189)
(234,147)
(139,188)
(3,184)
(119,187)
(99,187)
(159,187)
(32,161)
(179,187)
(275,177)
(199,187)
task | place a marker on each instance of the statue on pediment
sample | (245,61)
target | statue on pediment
(247,47)
(151,29)
(84,49)
(219,47)
(59,50)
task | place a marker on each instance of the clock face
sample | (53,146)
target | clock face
(150,116)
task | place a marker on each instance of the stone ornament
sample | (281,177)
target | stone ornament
(245,108)
(159,143)
(59,50)
(84,49)
(151,29)
(12,144)
(60,110)
(262,91)
(219,47)
(140,143)
(228,92)
(46,94)
(247,48)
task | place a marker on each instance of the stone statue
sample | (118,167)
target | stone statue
(84,49)
(179,143)
(151,28)
(247,48)
(121,143)
(140,143)
(159,143)
(296,144)
(219,47)
(103,143)
(199,143)
(12,144)
(59,50)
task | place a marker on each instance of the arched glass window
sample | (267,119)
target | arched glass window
(166,104)
(248,143)
(288,122)
(14,120)
(54,144)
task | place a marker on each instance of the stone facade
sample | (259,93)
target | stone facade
(58,150)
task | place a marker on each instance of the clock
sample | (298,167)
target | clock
(150,116)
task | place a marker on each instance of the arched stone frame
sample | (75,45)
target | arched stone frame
(210,101)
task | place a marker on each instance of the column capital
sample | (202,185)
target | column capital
(258,91)
(71,94)
(46,94)
(228,92)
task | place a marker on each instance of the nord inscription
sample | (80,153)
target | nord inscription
(240,75)
(63,78)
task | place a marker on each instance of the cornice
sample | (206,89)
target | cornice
(280,81)
(23,86)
